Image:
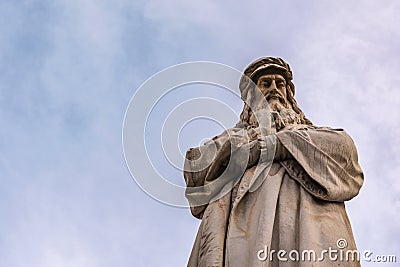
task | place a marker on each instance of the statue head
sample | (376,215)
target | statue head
(273,77)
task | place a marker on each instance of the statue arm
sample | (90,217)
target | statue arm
(208,169)
(324,161)
(203,165)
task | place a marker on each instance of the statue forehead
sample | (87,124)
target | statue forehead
(274,76)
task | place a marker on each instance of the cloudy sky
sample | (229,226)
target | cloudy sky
(69,69)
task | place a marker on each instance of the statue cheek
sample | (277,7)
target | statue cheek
(285,91)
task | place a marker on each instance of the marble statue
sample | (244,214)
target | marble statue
(297,210)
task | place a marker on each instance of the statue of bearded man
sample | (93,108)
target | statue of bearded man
(288,212)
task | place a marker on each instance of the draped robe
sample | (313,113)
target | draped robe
(298,206)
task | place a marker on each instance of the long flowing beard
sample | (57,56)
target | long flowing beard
(282,115)
(285,117)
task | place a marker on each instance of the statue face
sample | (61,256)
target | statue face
(273,87)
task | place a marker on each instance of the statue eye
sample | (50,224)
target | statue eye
(281,84)
(266,83)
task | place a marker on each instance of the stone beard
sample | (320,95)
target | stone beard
(282,118)
(281,111)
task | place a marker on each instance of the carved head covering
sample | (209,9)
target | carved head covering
(262,66)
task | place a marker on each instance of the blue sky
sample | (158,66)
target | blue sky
(69,68)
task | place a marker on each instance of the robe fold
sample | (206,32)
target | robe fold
(298,207)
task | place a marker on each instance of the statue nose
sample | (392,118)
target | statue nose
(273,85)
